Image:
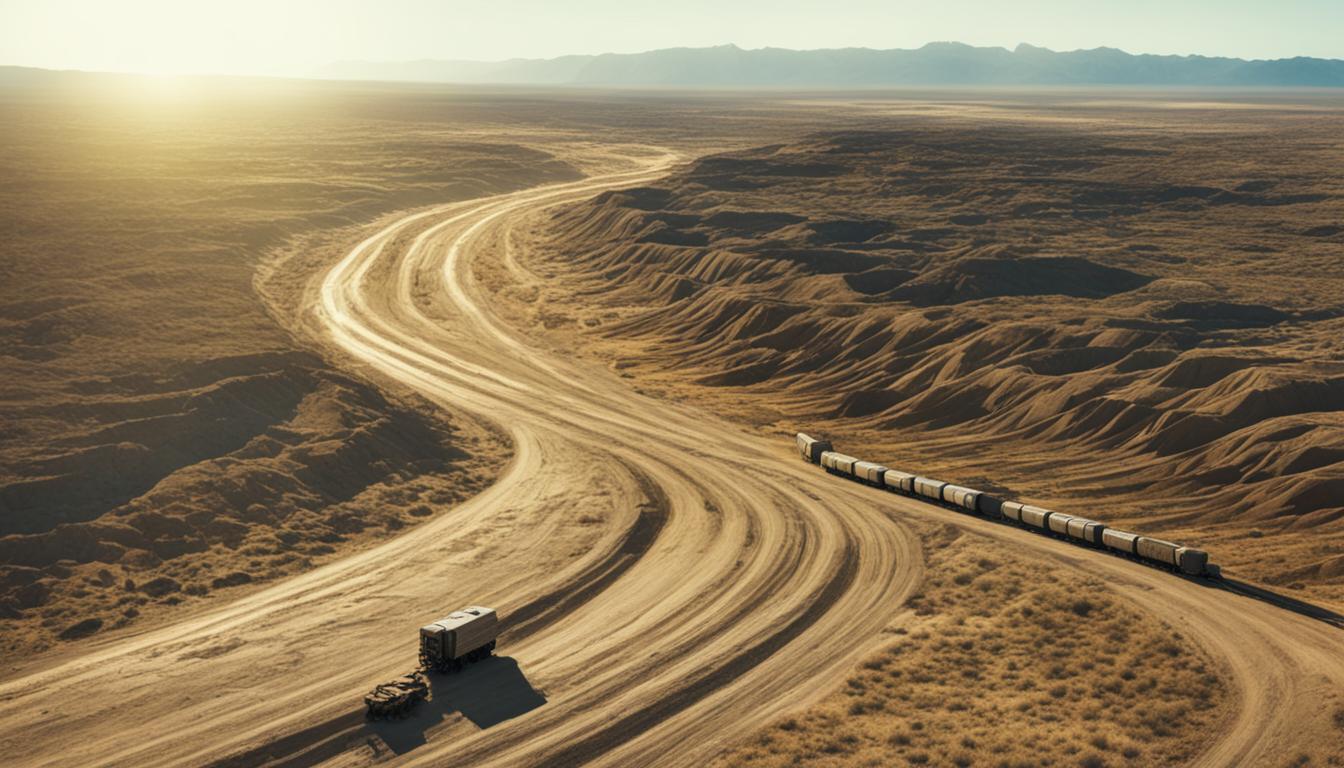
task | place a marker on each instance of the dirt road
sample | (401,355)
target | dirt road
(669,581)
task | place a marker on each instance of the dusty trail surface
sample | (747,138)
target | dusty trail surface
(673,582)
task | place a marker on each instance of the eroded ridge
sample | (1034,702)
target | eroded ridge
(756,587)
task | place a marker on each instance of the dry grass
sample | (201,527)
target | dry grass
(1141,309)
(1003,664)
(163,438)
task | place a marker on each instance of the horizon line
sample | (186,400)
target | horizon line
(315,72)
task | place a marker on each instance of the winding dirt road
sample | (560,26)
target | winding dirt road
(669,582)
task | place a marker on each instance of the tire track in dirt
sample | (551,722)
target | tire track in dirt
(800,548)
(758,584)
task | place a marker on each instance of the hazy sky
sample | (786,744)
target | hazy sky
(291,37)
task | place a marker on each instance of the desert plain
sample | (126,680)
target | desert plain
(292,369)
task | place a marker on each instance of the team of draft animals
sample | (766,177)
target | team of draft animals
(1187,560)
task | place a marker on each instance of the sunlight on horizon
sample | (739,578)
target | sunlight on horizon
(251,37)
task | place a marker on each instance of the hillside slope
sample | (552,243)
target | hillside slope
(163,439)
(1144,328)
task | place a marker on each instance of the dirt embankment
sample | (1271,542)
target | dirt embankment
(163,437)
(1143,325)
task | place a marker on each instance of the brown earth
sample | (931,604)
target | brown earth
(1133,314)
(163,437)
(671,583)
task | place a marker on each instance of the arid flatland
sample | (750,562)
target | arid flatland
(293,369)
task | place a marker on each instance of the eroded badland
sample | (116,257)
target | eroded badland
(292,369)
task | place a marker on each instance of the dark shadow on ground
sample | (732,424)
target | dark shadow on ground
(1255,592)
(486,693)
(1281,601)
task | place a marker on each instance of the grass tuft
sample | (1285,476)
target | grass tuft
(1080,680)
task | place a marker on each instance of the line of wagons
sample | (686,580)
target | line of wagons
(1186,560)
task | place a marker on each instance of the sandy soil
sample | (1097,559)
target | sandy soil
(672,583)
(164,439)
(1133,315)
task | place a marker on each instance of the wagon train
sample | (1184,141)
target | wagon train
(1182,559)
(448,645)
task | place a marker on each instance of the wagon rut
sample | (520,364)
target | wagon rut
(730,582)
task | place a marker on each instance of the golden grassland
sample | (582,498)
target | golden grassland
(1001,664)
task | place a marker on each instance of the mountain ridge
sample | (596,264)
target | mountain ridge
(936,63)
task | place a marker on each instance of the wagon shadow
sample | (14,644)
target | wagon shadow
(1285,602)
(486,693)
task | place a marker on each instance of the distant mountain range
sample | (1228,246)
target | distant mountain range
(934,64)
